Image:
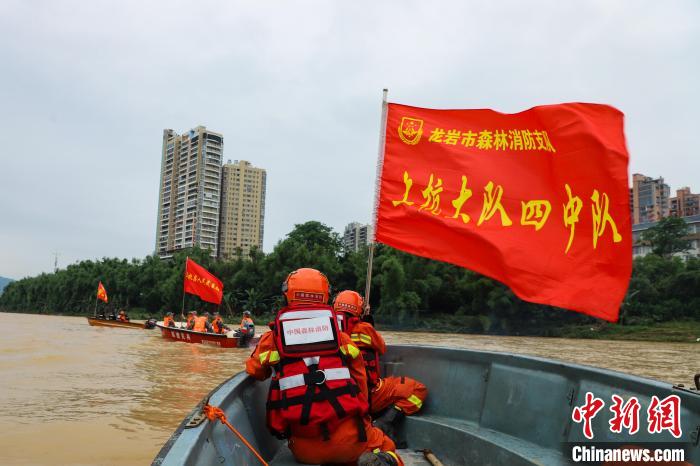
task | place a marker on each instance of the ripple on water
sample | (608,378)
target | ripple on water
(133,387)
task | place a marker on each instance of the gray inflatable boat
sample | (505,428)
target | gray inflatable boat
(484,408)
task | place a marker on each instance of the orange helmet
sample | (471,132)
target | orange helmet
(350,302)
(306,286)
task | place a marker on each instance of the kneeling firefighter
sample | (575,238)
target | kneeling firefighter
(391,398)
(318,394)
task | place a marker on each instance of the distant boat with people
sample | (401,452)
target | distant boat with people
(230,339)
(105,322)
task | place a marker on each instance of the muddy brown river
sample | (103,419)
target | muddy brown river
(79,395)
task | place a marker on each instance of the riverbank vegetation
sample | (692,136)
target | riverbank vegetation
(408,292)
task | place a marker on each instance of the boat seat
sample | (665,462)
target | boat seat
(459,442)
(410,458)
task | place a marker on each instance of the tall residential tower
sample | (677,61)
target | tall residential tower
(649,199)
(242,208)
(356,236)
(685,204)
(190,191)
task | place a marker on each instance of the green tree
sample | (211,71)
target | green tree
(667,237)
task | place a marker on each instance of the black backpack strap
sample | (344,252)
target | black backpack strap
(326,395)
(361,432)
(325,433)
(333,400)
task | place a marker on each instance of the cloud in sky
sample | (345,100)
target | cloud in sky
(87,88)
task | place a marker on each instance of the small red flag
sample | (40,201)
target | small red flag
(199,281)
(101,292)
(538,200)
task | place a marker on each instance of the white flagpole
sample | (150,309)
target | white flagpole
(182,309)
(380,163)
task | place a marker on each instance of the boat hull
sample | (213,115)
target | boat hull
(209,339)
(96,322)
(483,408)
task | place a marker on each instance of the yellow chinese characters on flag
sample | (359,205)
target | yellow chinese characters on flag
(538,200)
(199,281)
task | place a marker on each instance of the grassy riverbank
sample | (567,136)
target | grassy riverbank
(685,331)
(681,331)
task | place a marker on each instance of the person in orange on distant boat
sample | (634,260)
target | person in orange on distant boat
(247,327)
(168,320)
(191,316)
(391,398)
(201,324)
(329,424)
(218,324)
(122,316)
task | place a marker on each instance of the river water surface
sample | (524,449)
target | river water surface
(79,395)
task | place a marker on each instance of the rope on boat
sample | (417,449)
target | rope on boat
(213,413)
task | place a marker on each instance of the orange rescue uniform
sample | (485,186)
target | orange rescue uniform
(200,324)
(343,445)
(246,322)
(168,322)
(218,325)
(405,393)
(122,318)
(190,322)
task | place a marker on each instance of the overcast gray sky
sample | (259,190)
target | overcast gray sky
(86,88)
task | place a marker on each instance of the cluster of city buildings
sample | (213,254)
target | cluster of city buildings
(207,203)
(213,205)
(650,201)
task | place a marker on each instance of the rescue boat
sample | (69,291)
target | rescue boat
(99,322)
(484,408)
(223,340)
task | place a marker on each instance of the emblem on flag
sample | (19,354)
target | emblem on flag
(410,130)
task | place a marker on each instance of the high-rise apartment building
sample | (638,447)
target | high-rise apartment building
(649,199)
(243,188)
(356,235)
(189,195)
(685,203)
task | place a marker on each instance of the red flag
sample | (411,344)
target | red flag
(538,200)
(201,282)
(101,292)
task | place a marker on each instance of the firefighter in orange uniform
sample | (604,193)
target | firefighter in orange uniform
(201,324)
(168,320)
(396,396)
(191,316)
(218,324)
(122,316)
(318,394)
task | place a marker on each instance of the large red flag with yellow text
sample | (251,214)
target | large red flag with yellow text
(538,200)
(199,281)
(101,292)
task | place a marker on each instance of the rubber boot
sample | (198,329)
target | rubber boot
(389,420)
(376,459)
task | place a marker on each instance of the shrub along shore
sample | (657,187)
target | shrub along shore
(408,292)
